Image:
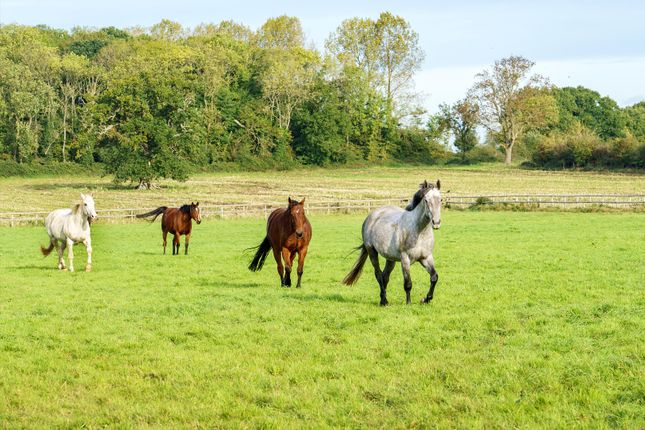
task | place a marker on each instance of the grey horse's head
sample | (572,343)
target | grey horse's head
(430,195)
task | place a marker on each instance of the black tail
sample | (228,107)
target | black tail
(156,213)
(260,255)
(46,251)
(355,273)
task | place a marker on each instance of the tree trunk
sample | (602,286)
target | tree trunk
(143,184)
(508,154)
(64,128)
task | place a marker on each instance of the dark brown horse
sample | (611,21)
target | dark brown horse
(288,233)
(176,221)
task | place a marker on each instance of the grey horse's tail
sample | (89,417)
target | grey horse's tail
(261,255)
(47,251)
(156,213)
(355,273)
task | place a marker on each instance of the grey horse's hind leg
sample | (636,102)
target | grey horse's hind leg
(385,276)
(407,279)
(434,278)
(378,274)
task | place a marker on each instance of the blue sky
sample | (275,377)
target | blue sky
(597,44)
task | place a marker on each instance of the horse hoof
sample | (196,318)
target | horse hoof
(425,301)
(64,269)
(385,303)
(88,268)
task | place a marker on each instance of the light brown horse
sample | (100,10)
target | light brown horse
(288,233)
(176,221)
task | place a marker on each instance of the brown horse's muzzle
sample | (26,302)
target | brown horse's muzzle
(299,233)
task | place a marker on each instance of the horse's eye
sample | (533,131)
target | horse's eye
(85,204)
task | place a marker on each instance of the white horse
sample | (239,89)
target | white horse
(69,227)
(403,235)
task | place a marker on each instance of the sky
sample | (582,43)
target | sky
(596,44)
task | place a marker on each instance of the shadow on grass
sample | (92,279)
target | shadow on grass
(225,285)
(337,298)
(36,267)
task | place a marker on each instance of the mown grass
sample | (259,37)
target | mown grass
(316,184)
(537,322)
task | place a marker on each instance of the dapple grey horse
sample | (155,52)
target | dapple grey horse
(403,235)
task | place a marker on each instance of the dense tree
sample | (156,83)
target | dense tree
(635,120)
(511,102)
(599,114)
(461,120)
(149,116)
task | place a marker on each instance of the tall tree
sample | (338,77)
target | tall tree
(511,101)
(286,81)
(387,50)
(283,32)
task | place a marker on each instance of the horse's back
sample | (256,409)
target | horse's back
(274,216)
(55,221)
(381,231)
(173,222)
(383,218)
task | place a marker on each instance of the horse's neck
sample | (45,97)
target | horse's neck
(78,218)
(284,220)
(418,217)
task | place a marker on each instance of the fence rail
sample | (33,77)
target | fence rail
(233,210)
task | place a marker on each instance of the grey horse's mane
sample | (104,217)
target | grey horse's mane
(424,187)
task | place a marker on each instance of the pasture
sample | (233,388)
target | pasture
(537,322)
(317,184)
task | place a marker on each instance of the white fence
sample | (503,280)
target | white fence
(627,201)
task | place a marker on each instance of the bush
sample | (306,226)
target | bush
(10,168)
(582,148)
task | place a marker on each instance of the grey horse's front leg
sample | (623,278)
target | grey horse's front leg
(428,263)
(407,280)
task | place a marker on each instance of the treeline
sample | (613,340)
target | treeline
(165,100)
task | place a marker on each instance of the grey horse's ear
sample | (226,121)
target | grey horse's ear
(424,184)
(438,184)
(82,196)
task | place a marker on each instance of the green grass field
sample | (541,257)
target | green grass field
(537,322)
(316,184)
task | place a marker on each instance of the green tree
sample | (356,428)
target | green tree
(635,120)
(283,32)
(511,102)
(286,80)
(149,115)
(461,120)
(167,30)
(387,50)
(600,114)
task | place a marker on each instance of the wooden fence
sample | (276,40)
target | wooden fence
(234,210)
